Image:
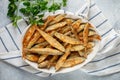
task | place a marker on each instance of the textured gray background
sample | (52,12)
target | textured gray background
(110,8)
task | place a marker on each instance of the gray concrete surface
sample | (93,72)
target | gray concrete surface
(110,8)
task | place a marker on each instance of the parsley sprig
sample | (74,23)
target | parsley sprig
(33,9)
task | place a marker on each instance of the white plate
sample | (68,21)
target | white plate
(64,70)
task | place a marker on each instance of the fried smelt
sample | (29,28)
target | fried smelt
(67,39)
(41,45)
(52,60)
(57,19)
(28,35)
(75,33)
(53,42)
(48,51)
(94,37)
(49,19)
(65,29)
(69,21)
(63,58)
(76,24)
(81,27)
(81,53)
(74,54)
(85,34)
(77,48)
(43,64)
(73,61)
(68,33)
(90,45)
(55,26)
(81,34)
(91,33)
(32,57)
(40,40)
(34,39)
(92,29)
(88,52)
(42,58)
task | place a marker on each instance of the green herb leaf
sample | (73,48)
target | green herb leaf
(11,9)
(15,19)
(54,7)
(26,3)
(64,2)
(25,11)
(13,0)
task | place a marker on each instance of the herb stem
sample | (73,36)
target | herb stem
(53,2)
(17,7)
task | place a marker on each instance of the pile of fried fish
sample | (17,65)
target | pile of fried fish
(60,42)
